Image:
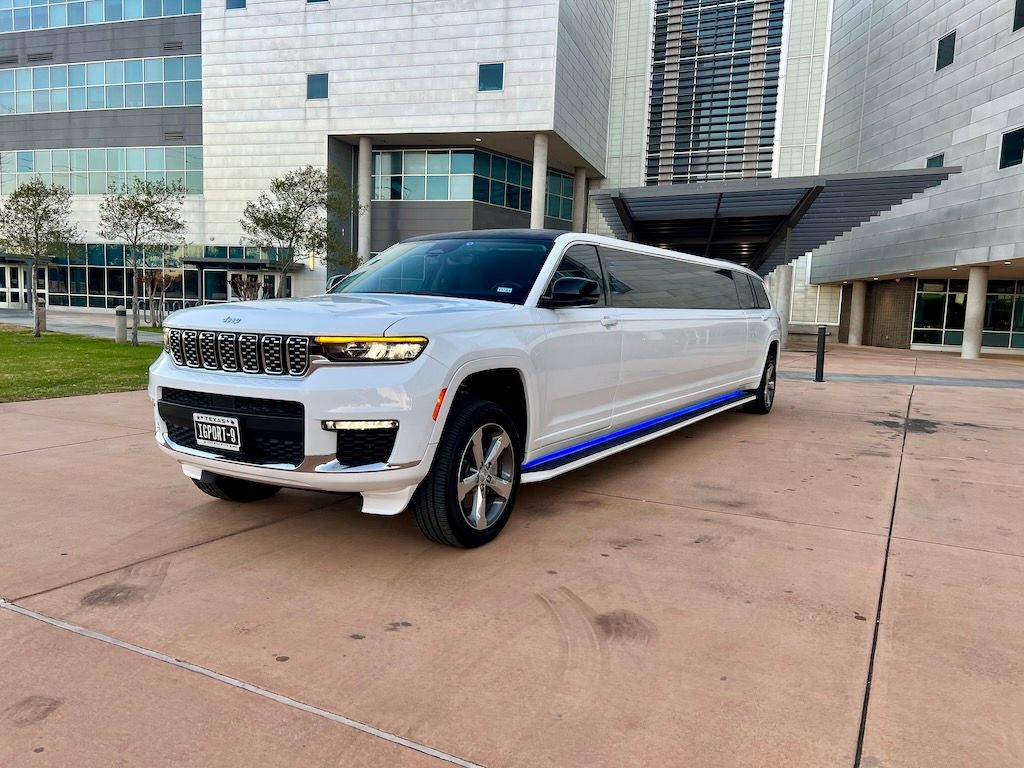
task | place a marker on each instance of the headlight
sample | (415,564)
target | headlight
(369,349)
(167,340)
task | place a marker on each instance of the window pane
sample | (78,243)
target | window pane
(437,187)
(415,162)
(316,86)
(438,162)
(956,310)
(640,280)
(998,311)
(944,54)
(462,162)
(461,188)
(413,188)
(1012,152)
(928,313)
(491,77)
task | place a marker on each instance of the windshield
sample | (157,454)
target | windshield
(492,269)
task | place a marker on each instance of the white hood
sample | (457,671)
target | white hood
(369,314)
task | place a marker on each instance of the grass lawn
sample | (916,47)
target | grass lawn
(58,365)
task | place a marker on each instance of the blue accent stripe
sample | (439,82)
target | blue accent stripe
(618,435)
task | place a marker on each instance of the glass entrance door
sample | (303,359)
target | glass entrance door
(13,287)
(215,285)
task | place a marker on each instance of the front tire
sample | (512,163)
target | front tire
(234,489)
(764,395)
(468,496)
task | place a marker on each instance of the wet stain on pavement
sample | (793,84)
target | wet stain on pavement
(281,658)
(625,626)
(31,710)
(396,626)
(357,636)
(113,594)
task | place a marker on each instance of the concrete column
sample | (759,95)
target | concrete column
(784,300)
(857,302)
(977,287)
(579,201)
(540,180)
(364,184)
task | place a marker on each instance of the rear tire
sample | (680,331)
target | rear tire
(764,395)
(234,489)
(469,494)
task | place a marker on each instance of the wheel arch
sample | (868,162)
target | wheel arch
(500,380)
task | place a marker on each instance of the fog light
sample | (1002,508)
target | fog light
(334,426)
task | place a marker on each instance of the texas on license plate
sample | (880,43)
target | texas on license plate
(217,431)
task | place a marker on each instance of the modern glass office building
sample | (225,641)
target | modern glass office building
(501,130)
(939,87)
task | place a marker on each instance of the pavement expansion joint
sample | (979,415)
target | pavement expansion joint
(236,683)
(915,379)
(71,445)
(881,593)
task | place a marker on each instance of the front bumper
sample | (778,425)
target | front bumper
(405,393)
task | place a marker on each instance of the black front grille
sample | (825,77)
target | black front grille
(259,449)
(358,447)
(256,406)
(248,352)
(272,431)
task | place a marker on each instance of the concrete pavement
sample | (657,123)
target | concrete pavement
(706,599)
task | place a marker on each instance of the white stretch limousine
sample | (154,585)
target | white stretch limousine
(450,368)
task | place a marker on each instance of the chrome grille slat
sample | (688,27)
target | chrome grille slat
(246,352)
(272,354)
(297,349)
(228,353)
(208,350)
(174,346)
(190,348)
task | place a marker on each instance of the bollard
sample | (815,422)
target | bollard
(40,312)
(120,324)
(819,363)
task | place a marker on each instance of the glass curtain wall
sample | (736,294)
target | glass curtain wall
(22,15)
(467,174)
(940,309)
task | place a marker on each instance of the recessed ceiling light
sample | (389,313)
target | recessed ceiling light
(1007,262)
(845,282)
(874,278)
(954,269)
(477,139)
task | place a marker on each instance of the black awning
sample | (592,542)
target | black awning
(747,220)
(236,264)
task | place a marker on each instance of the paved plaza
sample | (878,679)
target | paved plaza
(707,599)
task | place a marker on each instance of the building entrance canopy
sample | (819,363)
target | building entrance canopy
(747,220)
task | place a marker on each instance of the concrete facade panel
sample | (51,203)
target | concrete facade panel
(887,108)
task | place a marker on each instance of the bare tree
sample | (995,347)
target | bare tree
(144,213)
(296,221)
(35,223)
(248,287)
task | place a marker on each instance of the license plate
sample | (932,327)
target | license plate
(217,431)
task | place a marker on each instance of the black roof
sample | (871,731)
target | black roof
(490,234)
(747,220)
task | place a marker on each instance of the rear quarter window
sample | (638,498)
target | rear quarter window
(656,282)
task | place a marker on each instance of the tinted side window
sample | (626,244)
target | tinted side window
(641,280)
(760,294)
(745,290)
(581,261)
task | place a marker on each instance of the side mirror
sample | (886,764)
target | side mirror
(571,292)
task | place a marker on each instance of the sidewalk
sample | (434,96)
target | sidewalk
(78,323)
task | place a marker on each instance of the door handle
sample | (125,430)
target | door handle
(609,322)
